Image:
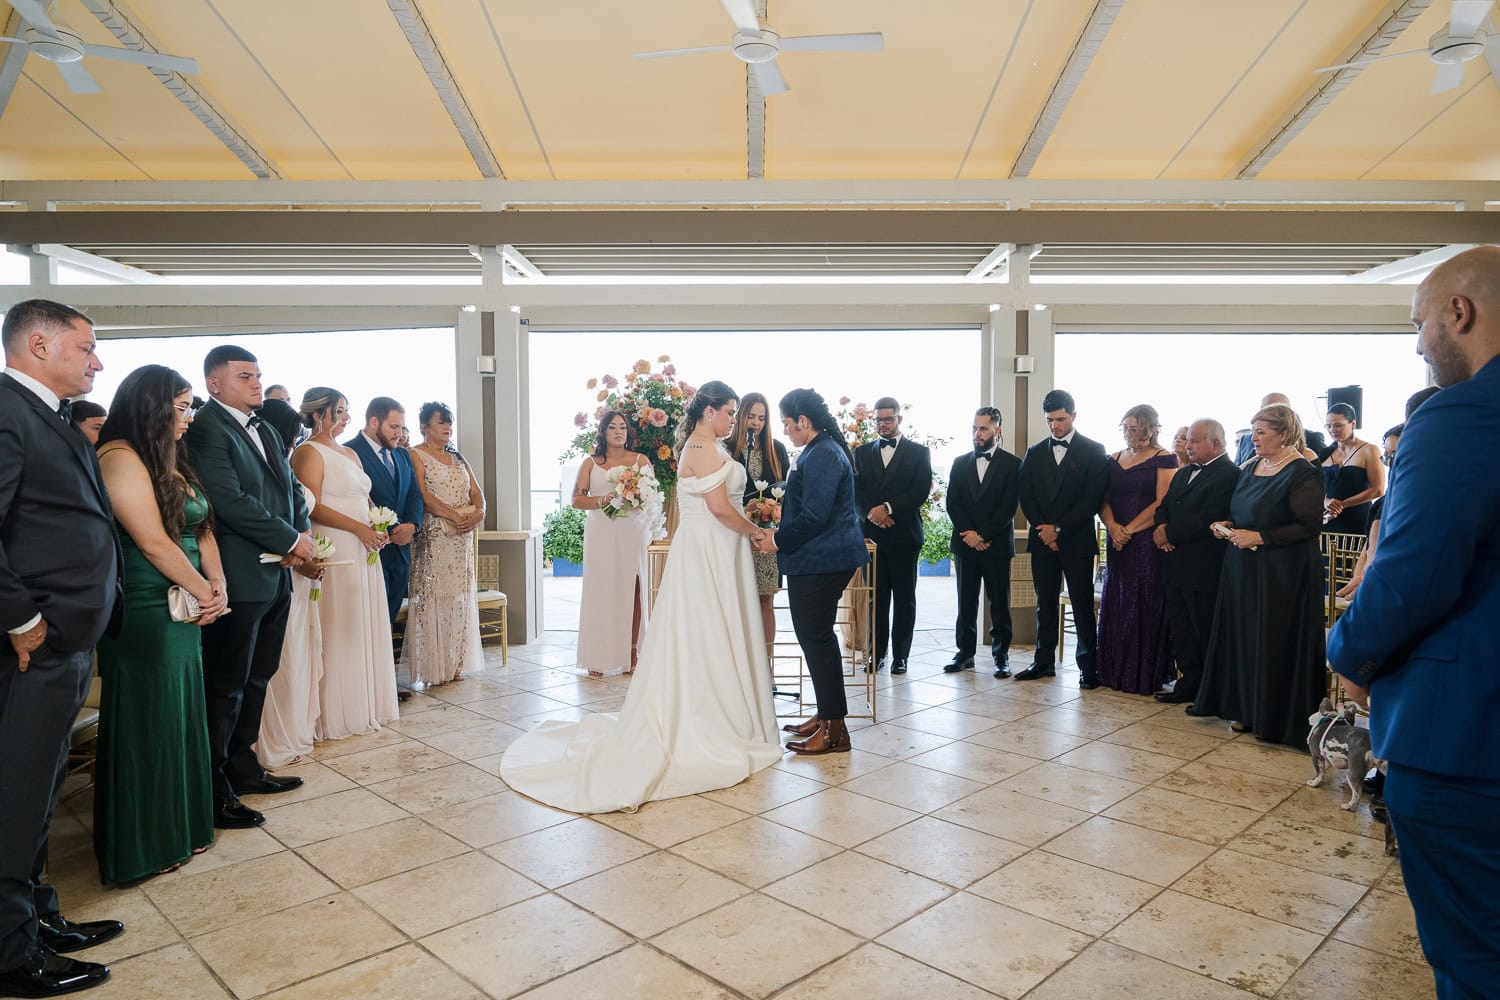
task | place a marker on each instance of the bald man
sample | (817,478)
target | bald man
(1315,440)
(1419,636)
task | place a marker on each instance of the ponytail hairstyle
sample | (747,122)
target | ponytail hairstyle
(318,399)
(807,403)
(715,394)
(142,415)
(766,444)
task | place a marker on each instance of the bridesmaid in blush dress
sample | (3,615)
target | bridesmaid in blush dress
(357,692)
(1135,653)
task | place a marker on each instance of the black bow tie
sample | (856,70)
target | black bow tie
(65,410)
(887,442)
(984,453)
(254,421)
(1059,442)
(1196,467)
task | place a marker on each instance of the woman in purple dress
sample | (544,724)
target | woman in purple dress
(1134,652)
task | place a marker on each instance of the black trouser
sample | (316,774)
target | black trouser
(993,570)
(1048,571)
(895,582)
(814,600)
(1190,619)
(37,711)
(241,652)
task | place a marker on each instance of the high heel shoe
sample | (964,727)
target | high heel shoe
(831,737)
(804,730)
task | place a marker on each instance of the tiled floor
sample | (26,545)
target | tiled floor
(985,838)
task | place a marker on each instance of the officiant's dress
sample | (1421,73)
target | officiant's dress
(614,573)
(698,715)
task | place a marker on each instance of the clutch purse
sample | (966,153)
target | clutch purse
(448,528)
(182,606)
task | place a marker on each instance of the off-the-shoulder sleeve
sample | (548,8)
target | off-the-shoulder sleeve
(699,485)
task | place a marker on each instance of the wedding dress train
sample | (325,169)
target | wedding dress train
(699,714)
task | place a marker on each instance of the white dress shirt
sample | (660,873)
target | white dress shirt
(49,397)
(1058,454)
(982,462)
(886,454)
(243,419)
(1194,474)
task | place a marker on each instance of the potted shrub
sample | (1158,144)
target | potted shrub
(562,541)
(936,560)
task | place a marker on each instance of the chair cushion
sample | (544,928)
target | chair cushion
(491,597)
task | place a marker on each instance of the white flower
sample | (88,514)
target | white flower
(777,492)
(617,502)
(761,484)
(382,518)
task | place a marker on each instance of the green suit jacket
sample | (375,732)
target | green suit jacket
(257,503)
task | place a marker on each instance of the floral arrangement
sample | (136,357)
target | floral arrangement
(765,511)
(632,489)
(858,422)
(653,402)
(381,519)
(323,550)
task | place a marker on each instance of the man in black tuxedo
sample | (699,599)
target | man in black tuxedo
(1063,479)
(258,508)
(892,479)
(1199,496)
(983,490)
(59,589)
(1315,440)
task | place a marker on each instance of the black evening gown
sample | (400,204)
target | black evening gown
(1265,665)
(1339,483)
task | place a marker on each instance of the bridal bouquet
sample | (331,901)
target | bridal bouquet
(632,489)
(323,551)
(765,511)
(381,519)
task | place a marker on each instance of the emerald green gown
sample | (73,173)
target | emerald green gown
(153,794)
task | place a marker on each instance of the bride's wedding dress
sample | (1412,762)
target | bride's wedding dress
(699,714)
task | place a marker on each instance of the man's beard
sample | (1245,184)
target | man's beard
(1448,365)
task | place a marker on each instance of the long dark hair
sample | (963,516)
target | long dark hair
(807,403)
(715,394)
(765,444)
(142,416)
(601,447)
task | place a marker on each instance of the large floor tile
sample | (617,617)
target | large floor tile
(380,851)
(281,951)
(557,855)
(445,786)
(1241,949)
(236,893)
(1315,848)
(1028,740)
(912,787)
(1105,971)
(330,816)
(1148,855)
(441,718)
(874,971)
(516,708)
(766,789)
(1156,738)
(448,892)
(756,851)
(640,971)
(995,707)
(834,768)
(858,893)
(1262,759)
(329,749)
(974,762)
(943,721)
(1018,950)
(1012,816)
(671,821)
(1256,885)
(1359,973)
(1324,807)
(486,821)
(1222,784)
(406,972)
(896,742)
(842,817)
(756,944)
(1067,719)
(650,894)
(1141,766)
(476,741)
(522,946)
(1383,922)
(1067,892)
(147,928)
(1069,786)
(317,779)
(169,972)
(231,847)
(1183,815)
(370,766)
(946,852)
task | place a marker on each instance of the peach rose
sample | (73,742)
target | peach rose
(642,366)
(664,358)
(658,418)
(603,395)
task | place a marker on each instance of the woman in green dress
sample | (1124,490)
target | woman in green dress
(153,795)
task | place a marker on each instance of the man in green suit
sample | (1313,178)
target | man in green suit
(258,507)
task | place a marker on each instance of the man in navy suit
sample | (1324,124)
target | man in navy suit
(1418,640)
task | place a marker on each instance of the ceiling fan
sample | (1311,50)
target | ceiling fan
(759,44)
(1465,38)
(54,41)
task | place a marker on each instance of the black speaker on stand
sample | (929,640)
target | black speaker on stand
(1353,395)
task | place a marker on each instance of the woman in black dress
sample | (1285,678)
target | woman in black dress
(1352,474)
(1265,666)
(765,460)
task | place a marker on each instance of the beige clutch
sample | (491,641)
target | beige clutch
(448,528)
(182,606)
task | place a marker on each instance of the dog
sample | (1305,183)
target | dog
(1336,741)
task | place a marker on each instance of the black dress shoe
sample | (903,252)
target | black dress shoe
(898,666)
(876,667)
(1036,671)
(60,934)
(1002,668)
(266,784)
(1173,698)
(403,695)
(236,816)
(48,974)
(1088,682)
(965,663)
(1193,711)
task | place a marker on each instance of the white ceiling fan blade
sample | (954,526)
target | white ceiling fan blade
(769,78)
(78,79)
(1447,77)
(872,41)
(742,13)
(160,60)
(35,14)
(1467,16)
(7,38)
(1367,62)
(680,52)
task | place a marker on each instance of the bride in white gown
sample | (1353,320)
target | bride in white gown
(699,714)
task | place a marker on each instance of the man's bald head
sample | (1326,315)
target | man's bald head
(1273,398)
(1456,311)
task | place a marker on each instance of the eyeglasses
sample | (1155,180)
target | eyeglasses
(1387,459)
(885,420)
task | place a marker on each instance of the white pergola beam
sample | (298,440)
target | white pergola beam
(1085,48)
(993,260)
(519,261)
(94,264)
(1406,267)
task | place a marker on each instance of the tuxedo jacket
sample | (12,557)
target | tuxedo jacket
(1420,630)
(1067,494)
(905,484)
(819,528)
(1187,510)
(59,555)
(988,507)
(257,504)
(400,494)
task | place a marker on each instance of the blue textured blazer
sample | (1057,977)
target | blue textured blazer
(1421,628)
(400,494)
(819,527)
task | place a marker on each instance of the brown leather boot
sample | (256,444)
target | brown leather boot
(831,737)
(804,730)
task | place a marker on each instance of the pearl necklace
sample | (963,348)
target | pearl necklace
(1266,463)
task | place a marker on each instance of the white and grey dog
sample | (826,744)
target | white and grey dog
(1336,740)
